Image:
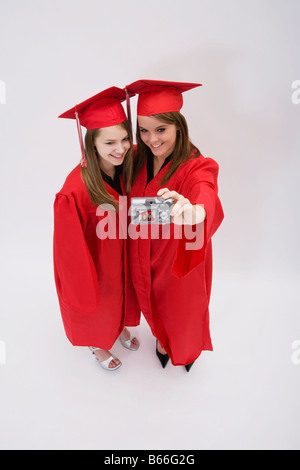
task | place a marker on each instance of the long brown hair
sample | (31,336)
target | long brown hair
(92,174)
(184,148)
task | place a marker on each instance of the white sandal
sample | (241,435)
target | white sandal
(105,364)
(127,343)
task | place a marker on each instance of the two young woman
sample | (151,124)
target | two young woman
(162,276)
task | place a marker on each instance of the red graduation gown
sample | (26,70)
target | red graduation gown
(91,274)
(173,284)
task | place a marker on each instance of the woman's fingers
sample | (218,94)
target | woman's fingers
(165,193)
(182,210)
(162,191)
(178,207)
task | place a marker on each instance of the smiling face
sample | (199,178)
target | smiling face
(157,135)
(112,144)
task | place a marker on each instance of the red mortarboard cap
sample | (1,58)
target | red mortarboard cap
(102,110)
(157,97)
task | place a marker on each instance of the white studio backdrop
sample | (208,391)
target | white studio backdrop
(246,116)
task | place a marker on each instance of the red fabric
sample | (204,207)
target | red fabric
(101,110)
(157,96)
(173,284)
(94,289)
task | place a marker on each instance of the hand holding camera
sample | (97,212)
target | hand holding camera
(169,207)
(183,212)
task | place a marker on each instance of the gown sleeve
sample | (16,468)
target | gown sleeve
(200,188)
(75,273)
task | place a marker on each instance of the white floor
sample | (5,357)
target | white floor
(244,395)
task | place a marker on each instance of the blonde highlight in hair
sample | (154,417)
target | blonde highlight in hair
(92,176)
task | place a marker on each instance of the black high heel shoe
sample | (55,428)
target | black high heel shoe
(188,367)
(164,358)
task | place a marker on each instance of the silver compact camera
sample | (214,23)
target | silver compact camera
(150,210)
